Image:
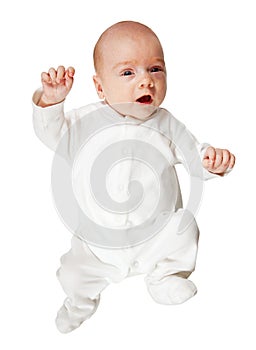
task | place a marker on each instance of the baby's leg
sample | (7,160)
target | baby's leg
(167,281)
(82,276)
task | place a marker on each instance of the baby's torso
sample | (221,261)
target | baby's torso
(124,172)
(123,176)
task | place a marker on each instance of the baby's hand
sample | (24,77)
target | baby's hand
(56,85)
(217,160)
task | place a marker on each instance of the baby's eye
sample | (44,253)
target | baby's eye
(156,69)
(127,73)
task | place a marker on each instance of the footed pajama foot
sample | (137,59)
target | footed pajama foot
(172,290)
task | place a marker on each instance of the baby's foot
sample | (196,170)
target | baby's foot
(172,290)
(66,320)
(70,317)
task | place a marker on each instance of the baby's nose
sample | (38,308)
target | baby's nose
(146,81)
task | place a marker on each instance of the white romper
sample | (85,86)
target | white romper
(164,256)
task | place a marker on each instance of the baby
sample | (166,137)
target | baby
(129,68)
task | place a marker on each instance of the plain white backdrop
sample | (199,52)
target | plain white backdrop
(210,56)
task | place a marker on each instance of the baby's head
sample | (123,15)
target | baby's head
(129,65)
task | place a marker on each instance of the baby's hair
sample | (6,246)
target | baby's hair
(130,27)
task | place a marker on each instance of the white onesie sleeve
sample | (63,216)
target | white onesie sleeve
(51,123)
(189,151)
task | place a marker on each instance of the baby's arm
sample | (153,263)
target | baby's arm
(218,161)
(185,147)
(56,85)
(50,122)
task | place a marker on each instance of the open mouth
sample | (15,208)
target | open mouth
(145,99)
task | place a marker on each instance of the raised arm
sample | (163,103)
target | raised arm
(49,120)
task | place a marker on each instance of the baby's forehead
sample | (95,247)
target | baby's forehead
(123,32)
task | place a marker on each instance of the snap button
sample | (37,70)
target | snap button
(135,264)
(127,151)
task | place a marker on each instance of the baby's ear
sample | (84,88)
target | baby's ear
(98,86)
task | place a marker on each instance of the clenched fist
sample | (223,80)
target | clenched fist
(218,161)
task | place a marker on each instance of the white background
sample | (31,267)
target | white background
(210,55)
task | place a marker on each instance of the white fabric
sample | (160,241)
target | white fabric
(167,259)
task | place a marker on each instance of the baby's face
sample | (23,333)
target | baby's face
(132,69)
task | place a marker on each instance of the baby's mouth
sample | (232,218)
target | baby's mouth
(146,99)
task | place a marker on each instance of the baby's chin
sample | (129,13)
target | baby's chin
(135,110)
